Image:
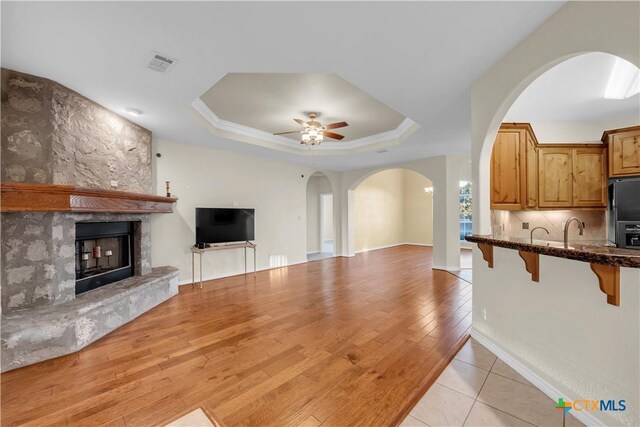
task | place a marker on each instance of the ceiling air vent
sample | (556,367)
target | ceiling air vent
(159,62)
(382,151)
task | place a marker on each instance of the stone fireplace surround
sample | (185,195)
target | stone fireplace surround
(42,317)
(53,135)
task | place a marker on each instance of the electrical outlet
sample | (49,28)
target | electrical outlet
(114,184)
(525,225)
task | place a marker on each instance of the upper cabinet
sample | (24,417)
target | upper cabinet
(589,176)
(528,175)
(572,176)
(624,151)
(512,187)
(555,170)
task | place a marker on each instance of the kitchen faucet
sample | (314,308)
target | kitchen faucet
(531,235)
(566,228)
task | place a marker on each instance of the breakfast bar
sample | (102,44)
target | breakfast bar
(605,260)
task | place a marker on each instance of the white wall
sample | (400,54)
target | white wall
(418,209)
(391,207)
(379,210)
(561,329)
(204,177)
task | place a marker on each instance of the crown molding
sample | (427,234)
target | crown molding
(242,133)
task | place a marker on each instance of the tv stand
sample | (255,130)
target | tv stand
(221,247)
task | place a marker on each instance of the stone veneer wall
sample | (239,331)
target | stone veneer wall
(51,134)
(38,255)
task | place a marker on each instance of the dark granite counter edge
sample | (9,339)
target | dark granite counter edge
(620,260)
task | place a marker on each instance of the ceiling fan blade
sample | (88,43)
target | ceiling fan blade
(336,125)
(300,122)
(332,135)
(284,133)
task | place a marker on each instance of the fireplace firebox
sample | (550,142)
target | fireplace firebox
(104,253)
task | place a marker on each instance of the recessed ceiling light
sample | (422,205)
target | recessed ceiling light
(133,111)
(624,81)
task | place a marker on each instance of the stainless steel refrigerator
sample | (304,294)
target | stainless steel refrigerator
(624,212)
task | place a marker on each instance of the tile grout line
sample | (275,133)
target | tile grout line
(485,380)
(475,400)
(495,373)
(481,387)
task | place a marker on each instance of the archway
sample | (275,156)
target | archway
(392,207)
(443,172)
(496,91)
(320,217)
(566,105)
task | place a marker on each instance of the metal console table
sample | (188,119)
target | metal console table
(245,245)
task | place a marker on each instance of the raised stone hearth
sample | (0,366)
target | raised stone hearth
(32,335)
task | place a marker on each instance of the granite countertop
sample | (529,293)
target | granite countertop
(594,251)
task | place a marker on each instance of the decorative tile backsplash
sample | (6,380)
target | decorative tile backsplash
(509,223)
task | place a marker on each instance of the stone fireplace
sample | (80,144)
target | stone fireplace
(76,253)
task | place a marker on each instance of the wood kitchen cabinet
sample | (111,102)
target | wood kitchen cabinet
(589,177)
(532,171)
(513,160)
(624,151)
(555,170)
(572,176)
(528,175)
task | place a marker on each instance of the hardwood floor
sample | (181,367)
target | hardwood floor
(340,341)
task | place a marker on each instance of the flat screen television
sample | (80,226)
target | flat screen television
(223,225)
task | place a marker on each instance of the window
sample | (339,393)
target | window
(465,209)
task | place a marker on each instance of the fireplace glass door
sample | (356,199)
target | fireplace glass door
(104,253)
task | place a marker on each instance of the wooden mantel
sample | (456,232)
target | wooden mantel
(23,197)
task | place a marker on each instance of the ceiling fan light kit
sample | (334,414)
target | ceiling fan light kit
(314,132)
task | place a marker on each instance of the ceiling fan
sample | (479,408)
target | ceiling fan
(314,132)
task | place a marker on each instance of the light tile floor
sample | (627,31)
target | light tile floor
(478,389)
(196,418)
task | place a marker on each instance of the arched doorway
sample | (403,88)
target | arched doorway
(393,207)
(570,105)
(320,218)
(496,91)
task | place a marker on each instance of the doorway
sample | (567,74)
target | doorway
(320,223)
(326,223)
(393,207)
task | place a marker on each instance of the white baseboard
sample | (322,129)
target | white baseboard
(417,244)
(585,417)
(392,246)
